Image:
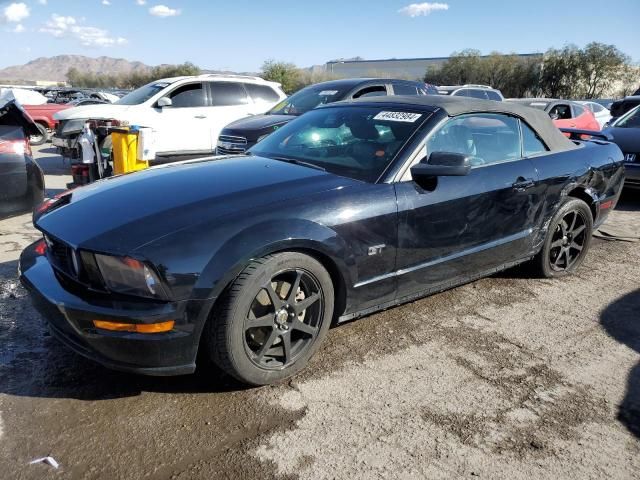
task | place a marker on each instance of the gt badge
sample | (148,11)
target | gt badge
(376,249)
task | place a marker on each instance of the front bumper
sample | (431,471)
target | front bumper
(70,319)
(632,175)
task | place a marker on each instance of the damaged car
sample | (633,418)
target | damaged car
(21,179)
(350,208)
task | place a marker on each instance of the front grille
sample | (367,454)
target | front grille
(630,157)
(60,256)
(85,275)
(232,139)
(231,145)
(229,151)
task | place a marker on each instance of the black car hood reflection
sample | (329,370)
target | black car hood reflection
(258,122)
(254,127)
(122,213)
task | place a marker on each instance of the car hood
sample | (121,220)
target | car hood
(259,122)
(628,139)
(122,213)
(102,111)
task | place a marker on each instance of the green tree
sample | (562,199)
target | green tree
(629,81)
(133,79)
(599,68)
(287,74)
(513,75)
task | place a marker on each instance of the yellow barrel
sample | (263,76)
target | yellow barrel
(125,151)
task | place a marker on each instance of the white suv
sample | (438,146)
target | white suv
(185,113)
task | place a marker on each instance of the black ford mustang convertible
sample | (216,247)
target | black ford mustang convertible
(350,208)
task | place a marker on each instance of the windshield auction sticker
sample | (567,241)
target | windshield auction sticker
(398,116)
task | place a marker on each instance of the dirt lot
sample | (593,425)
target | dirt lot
(508,377)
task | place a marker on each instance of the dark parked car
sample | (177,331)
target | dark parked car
(21,180)
(239,136)
(620,107)
(353,207)
(625,132)
(482,92)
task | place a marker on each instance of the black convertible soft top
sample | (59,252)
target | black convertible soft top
(536,119)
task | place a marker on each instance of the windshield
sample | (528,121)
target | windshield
(355,142)
(308,99)
(629,120)
(142,94)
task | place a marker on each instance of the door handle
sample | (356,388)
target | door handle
(522,184)
(573,125)
(199,116)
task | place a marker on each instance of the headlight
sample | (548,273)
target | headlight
(130,276)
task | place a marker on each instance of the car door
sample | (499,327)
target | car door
(182,126)
(229,102)
(263,97)
(584,118)
(458,227)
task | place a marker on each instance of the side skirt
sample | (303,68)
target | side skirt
(432,290)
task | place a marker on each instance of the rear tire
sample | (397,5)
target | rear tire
(567,241)
(41,138)
(272,319)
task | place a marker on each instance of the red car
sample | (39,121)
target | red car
(42,115)
(565,114)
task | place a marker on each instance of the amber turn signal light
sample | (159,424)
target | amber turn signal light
(135,327)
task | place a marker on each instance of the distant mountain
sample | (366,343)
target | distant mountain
(55,68)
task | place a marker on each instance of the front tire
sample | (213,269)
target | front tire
(568,240)
(272,318)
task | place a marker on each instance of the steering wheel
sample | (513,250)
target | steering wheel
(321,147)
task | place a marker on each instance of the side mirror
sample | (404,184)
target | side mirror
(441,164)
(554,116)
(164,102)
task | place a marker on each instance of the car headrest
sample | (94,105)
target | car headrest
(363,130)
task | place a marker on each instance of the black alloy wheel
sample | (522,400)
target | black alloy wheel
(284,319)
(272,318)
(568,241)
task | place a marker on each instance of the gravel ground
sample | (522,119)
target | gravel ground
(507,377)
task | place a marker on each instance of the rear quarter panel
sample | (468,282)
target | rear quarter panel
(594,168)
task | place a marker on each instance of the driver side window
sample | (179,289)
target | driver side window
(560,112)
(486,139)
(189,95)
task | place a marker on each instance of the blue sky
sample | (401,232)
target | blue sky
(240,34)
